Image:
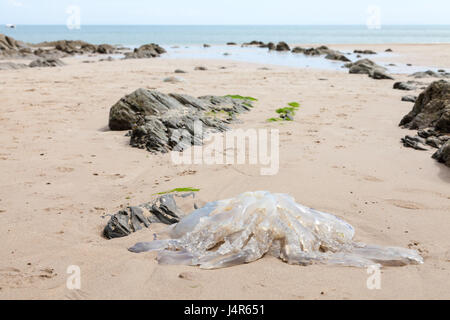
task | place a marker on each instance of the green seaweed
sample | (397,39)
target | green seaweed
(219,114)
(286,110)
(283,112)
(178,190)
(236,96)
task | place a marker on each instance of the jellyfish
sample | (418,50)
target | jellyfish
(245,228)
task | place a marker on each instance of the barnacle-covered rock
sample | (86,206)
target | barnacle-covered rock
(244,229)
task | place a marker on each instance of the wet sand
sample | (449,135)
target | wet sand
(63,170)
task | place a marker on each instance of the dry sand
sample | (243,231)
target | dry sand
(62,170)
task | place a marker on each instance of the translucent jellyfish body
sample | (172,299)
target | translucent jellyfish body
(243,229)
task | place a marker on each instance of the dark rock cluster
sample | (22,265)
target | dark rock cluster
(164,122)
(47,54)
(322,50)
(151,50)
(163,210)
(431,117)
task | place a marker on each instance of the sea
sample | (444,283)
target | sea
(128,35)
(187,41)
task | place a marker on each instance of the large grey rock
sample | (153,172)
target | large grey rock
(133,107)
(366,66)
(163,122)
(432,109)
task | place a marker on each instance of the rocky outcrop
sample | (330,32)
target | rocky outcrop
(431,110)
(42,63)
(431,115)
(146,51)
(366,66)
(163,122)
(11,48)
(322,50)
(72,47)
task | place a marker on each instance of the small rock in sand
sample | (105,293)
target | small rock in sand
(173,79)
(409,98)
(39,63)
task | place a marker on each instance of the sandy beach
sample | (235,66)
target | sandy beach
(62,170)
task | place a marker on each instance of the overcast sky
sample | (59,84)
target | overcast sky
(198,12)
